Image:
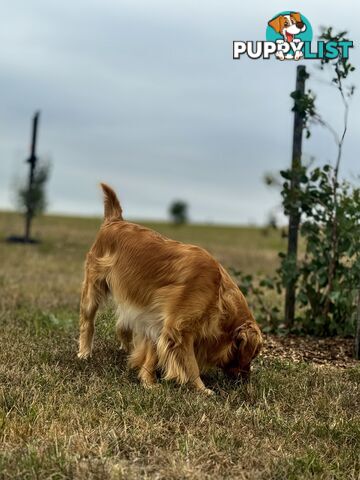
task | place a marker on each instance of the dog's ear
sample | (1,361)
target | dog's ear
(276,23)
(240,338)
(248,341)
(296,16)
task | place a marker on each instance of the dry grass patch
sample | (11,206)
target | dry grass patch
(62,418)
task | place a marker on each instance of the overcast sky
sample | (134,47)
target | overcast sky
(146,96)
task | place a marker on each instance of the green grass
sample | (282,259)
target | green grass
(62,418)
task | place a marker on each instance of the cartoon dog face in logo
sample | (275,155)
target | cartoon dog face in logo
(288,26)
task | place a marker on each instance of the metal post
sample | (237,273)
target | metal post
(294,217)
(32,160)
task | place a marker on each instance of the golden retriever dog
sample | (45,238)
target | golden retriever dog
(177,307)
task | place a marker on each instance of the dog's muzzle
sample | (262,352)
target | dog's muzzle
(238,373)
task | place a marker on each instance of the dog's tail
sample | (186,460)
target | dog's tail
(112,209)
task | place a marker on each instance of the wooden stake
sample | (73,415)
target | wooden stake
(32,160)
(294,217)
(357,335)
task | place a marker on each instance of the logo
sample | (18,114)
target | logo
(289,37)
(288,30)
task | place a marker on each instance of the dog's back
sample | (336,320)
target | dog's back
(130,255)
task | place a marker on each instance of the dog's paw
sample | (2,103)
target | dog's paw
(125,347)
(280,56)
(208,391)
(150,386)
(84,355)
(298,55)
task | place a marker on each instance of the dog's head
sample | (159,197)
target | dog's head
(288,25)
(247,343)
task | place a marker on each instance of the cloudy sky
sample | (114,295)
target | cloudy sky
(145,96)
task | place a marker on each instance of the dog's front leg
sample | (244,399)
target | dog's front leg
(177,358)
(125,337)
(144,359)
(147,373)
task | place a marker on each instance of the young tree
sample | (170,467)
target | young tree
(327,207)
(327,276)
(30,195)
(179,212)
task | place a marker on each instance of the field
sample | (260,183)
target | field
(62,418)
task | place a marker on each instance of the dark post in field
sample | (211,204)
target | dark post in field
(294,216)
(32,161)
(357,335)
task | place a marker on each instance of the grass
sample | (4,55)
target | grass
(61,418)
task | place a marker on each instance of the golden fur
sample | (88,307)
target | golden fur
(178,309)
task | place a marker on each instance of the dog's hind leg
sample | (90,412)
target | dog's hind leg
(144,359)
(177,358)
(91,296)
